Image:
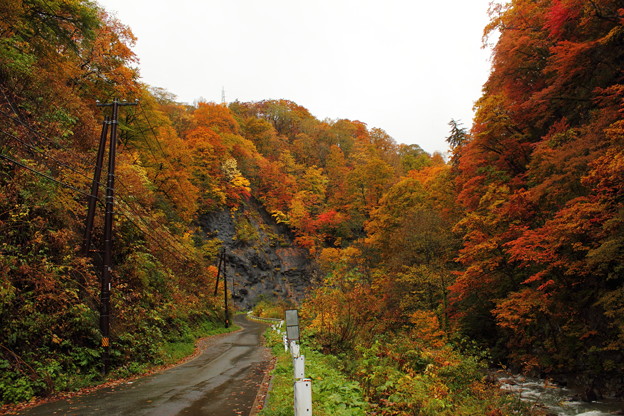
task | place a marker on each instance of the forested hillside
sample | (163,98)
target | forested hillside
(540,183)
(58,58)
(430,267)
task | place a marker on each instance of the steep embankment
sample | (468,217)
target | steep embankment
(262,259)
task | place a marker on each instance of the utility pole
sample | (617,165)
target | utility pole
(108,227)
(218,273)
(225,294)
(220,270)
(95,185)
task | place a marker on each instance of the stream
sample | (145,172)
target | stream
(557,400)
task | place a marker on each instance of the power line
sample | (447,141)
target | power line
(149,123)
(46,155)
(17,120)
(166,235)
(153,131)
(127,217)
(140,217)
(58,162)
(50,178)
(124,214)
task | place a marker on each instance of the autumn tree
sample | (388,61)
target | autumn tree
(57,58)
(529,181)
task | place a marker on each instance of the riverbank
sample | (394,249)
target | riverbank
(552,399)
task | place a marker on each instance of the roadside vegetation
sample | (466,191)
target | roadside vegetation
(333,393)
(169,350)
(274,309)
(390,374)
(184,344)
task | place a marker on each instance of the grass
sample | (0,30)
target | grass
(332,393)
(177,349)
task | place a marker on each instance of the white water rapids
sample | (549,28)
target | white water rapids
(557,400)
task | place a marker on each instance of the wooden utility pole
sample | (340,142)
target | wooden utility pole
(218,273)
(225,294)
(107,264)
(95,186)
(221,270)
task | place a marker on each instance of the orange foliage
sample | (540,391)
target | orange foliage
(537,178)
(215,117)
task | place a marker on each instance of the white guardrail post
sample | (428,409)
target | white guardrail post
(299,367)
(294,349)
(303,397)
(302,386)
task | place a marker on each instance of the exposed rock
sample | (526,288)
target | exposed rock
(262,260)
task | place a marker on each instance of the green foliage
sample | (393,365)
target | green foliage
(271,308)
(246,232)
(182,344)
(399,376)
(333,393)
(392,376)
(14,388)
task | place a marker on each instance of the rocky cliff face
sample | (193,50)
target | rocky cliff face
(262,260)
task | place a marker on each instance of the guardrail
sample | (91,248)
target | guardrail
(302,387)
(258,318)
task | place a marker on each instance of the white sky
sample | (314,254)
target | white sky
(405,66)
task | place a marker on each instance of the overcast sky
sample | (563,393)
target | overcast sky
(405,66)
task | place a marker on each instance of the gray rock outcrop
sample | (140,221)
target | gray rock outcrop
(262,260)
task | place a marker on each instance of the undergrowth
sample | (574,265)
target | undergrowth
(176,349)
(392,379)
(332,392)
(270,308)
(79,367)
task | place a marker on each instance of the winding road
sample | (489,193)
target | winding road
(224,380)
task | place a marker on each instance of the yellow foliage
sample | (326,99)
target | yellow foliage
(427,329)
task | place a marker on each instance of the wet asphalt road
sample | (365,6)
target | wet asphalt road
(223,381)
